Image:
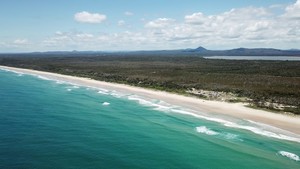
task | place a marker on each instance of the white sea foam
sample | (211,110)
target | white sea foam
(13,71)
(289,155)
(6,70)
(102,92)
(115,94)
(160,106)
(264,131)
(42,77)
(191,113)
(256,130)
(70,88)
(230,136)
(205,130)
(38,76)
(59,82)
(223,135)
(105,103)
(165,107)
(272,128)
(140,100)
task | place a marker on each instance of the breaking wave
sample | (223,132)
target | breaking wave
(105,103)
(289,155)
(245,125)
(16,72)
(223,135)
(103,92)
(205,130)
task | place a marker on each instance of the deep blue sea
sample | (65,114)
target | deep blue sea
(52,124)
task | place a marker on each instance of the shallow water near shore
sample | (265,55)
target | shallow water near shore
(53,124)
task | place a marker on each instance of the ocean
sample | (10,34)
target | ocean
(54,124)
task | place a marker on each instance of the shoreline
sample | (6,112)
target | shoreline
(235,110)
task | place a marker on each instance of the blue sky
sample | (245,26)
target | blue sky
(49,25)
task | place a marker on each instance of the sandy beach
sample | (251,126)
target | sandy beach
(236,110)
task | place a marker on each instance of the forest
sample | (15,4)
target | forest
(265,84)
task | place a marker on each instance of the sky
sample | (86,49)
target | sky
(128,25)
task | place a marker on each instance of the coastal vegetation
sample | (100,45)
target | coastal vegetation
(272,85)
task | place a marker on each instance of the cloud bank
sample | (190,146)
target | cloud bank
(274,26)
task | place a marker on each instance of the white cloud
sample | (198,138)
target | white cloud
(86,17)
(121,23)
(248,27)
(247,13)
(20,42)
(84,35)
(195,18)
(293,11)
(258,26)
(235,27)
(17,45)
(127,13)
(115,41)
(58,33)
(160,23)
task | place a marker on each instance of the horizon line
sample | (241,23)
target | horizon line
(143,50)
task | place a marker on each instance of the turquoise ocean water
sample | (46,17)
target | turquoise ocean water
(50,124)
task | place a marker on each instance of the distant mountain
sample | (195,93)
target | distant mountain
(294,49)
(245,52)
(200,51)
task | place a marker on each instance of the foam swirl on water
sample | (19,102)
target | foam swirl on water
(289,155)
(205,130)
(102,92)
(105,103)
(222,135)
